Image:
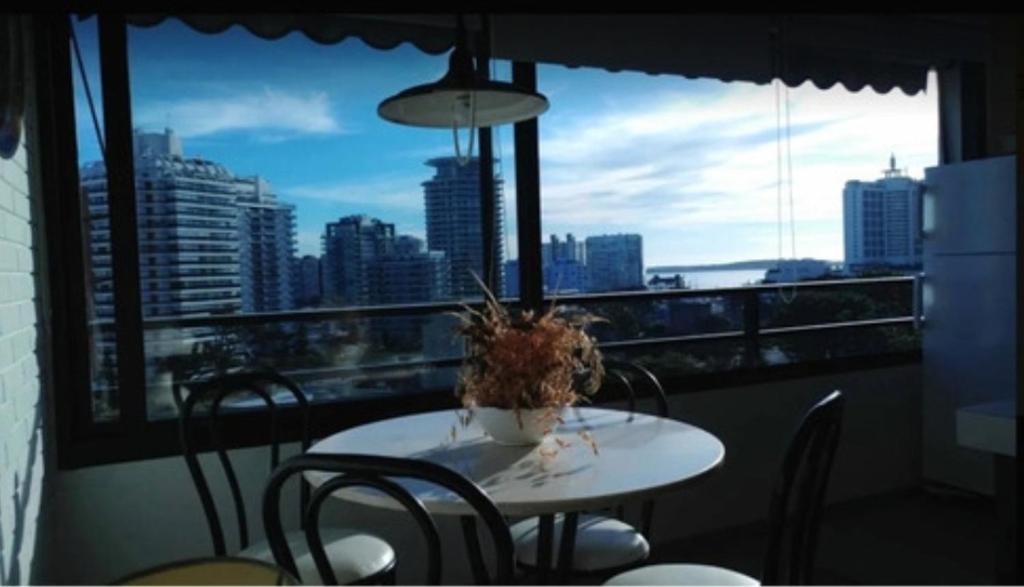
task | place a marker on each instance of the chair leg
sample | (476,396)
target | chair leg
(388,577)
(476,558)
(646,517)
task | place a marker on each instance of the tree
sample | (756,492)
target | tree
(839,306)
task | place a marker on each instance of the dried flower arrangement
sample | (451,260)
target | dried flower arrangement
(523,361)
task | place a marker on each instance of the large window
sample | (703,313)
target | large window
(266,184)
(276,220)
(648,177)
(663,183)
(96,226)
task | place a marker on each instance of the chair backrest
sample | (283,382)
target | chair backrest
(638,382)
(379,472)
(799,494)
(214,391)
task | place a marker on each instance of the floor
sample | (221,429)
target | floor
(932,537)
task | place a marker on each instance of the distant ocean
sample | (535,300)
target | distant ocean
(714,279)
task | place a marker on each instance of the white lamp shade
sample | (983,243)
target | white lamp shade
(440,105)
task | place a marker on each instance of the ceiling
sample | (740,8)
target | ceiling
(880,51)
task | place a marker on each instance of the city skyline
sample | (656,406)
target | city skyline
(364,261)
(212,241)
(689,164)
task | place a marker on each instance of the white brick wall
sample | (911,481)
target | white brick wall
(21,436)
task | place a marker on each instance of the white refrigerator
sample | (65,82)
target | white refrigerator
(968,301)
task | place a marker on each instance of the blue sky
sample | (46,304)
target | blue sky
(689,164)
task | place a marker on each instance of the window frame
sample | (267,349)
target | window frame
(85,442)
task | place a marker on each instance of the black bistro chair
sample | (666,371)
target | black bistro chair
(379,472)
(602,544)
(800,487)
(355,556)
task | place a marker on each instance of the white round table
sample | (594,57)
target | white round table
(639,455)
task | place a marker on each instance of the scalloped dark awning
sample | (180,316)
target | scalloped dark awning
(325,29)
(882,52)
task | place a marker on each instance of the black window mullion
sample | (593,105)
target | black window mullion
(487,211)
(66,331)
(531,284)
(487,200)
(962,112)
(131,377)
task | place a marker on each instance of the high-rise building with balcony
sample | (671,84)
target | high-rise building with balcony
(268,242)
(190,249)
(409,275)
(563,265)
(351,246)
(557,250)
(452,202)
(615,262)
(881,221)
(565,276)
(188,232)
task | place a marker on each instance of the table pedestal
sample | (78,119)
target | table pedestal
(545,536)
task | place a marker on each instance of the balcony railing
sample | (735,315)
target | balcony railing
(344,353)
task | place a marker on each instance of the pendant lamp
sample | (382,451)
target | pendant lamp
(462,98)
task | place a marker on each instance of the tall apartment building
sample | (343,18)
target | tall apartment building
(188,251)
(565,276)
(408,274)
(309,288)
(510,271)
(268,243)
(563,265)
(558,250)
(881,221)
(452,202)
(188,232)
(209,242)
(365,263)
(615,262)
(350,247)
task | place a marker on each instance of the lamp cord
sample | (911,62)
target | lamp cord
(463,161)
(779,88)
(778,167)
(787,298)
(789,173)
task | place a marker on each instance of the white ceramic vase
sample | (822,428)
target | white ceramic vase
(503,426)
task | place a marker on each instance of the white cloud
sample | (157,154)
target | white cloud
(280,114)
(402,192)
(686,164)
